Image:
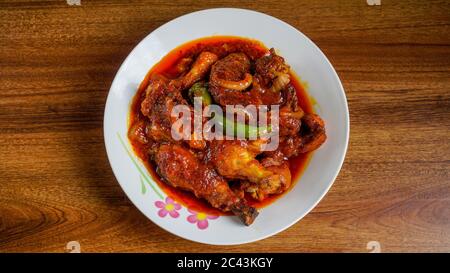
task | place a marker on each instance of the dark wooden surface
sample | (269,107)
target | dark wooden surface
(56,66)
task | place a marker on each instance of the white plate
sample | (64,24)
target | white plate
(305,59)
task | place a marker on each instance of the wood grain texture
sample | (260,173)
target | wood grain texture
(56,66)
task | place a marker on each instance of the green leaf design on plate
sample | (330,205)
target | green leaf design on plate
(143,174)
(143,188)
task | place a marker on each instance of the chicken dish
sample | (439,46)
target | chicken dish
(230,175)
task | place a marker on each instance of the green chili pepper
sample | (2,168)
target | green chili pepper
(200,89)
(241,129)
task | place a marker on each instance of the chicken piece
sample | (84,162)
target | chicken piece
(278,182)
(235,159)
(290,122)
(183,66)
(155,91)
(290,99)
(163,94)
(310,137)
(199,69)
(233,70)
(271,77)
(138,132)
(180,168)
(272,71)
(157,106)
(159,87)
(290,112)
(230,78)
(312,133)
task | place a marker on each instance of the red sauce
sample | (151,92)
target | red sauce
(254,50)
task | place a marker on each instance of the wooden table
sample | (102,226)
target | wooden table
(57,63)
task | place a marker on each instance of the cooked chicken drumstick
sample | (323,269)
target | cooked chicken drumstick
(180,168)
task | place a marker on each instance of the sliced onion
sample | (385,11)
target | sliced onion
(236,85)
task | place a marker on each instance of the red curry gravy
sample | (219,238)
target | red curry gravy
(220,45)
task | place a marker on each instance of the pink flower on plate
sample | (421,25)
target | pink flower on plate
(200,218)
(168,207)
